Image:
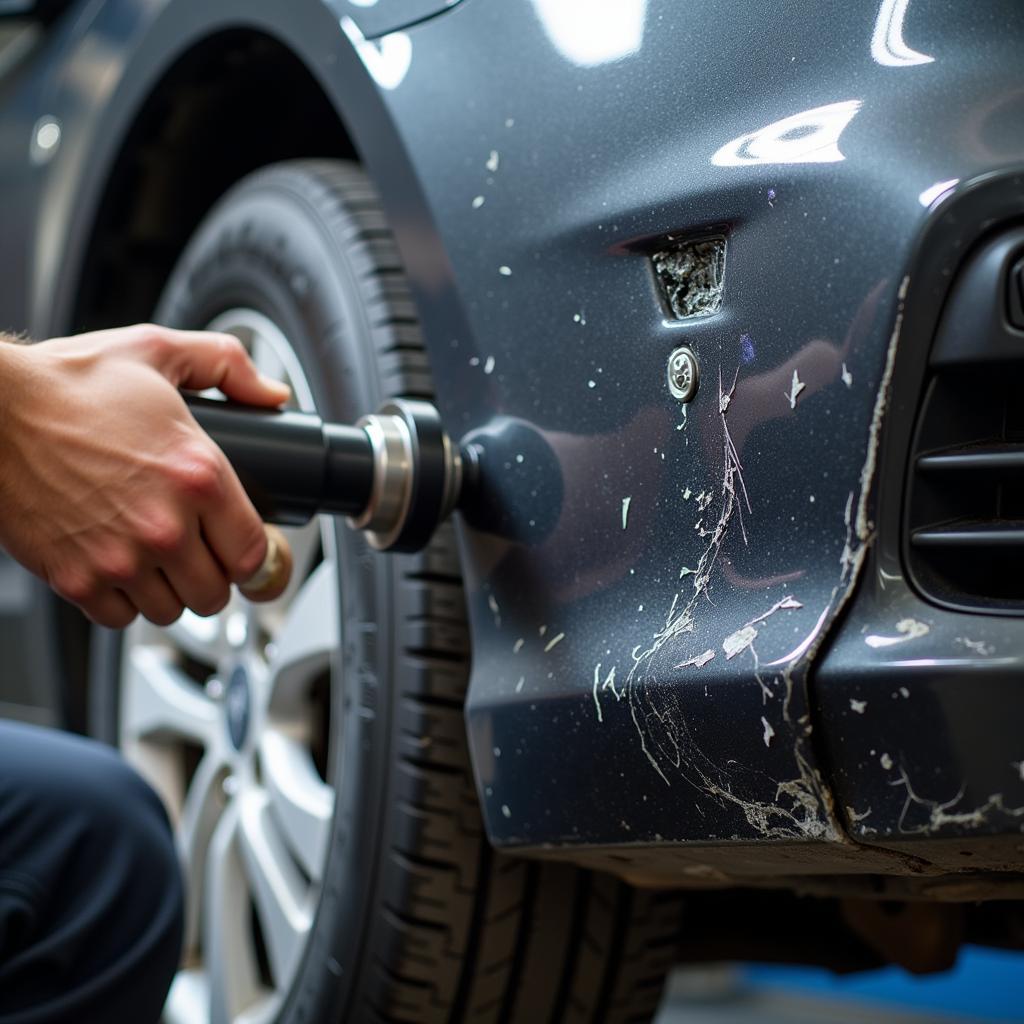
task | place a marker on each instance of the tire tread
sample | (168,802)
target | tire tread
(465,933)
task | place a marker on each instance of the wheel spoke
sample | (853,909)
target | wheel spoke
(302,802)
(266,359)
(278,889)
(160,700)
(203,805)
(309,637)
(227,940)
(188,1001)
(200,638)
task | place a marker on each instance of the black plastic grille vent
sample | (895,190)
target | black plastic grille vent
(964,539)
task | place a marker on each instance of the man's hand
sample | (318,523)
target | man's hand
(109,490)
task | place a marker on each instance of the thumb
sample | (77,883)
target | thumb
(199,359)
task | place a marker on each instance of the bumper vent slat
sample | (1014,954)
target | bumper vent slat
(964,509)
(967,537)
(991,459)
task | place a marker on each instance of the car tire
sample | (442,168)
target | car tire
(414,918)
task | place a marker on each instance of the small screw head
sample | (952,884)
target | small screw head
(46,136)
(683,373)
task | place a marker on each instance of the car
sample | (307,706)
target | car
(724,659)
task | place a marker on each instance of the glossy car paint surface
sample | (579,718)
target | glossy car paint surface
(649,584)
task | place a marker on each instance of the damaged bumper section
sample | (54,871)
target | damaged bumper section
(853,737)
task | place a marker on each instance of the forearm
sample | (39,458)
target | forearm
(15,373)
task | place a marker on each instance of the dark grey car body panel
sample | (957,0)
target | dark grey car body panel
(650,604)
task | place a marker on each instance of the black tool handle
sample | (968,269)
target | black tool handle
(292,465)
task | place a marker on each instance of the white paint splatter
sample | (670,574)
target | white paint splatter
(909,629)
(942,814)
(794,391)
(699,661)
(738,642)
(519,685)
(554,641)
(489,365)
(493,161)
(858,705)
(885,761)
(597,700)
(625,511)
(518,645)
(769,732)
(478,201)
(978,646)
(505,271)
(505,810)
(492,603)
(847,377)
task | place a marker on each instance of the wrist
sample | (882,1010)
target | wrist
(15,379)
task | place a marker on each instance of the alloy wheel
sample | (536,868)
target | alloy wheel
(228,717)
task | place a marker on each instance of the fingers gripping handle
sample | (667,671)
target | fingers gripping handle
(271,579)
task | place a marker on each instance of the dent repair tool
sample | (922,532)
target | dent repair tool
(394,475)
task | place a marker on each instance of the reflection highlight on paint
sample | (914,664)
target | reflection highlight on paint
(387,59)
(887,45)
(810,137)
(934,194)
(593,32)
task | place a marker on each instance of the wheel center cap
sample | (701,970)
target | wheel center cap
(238,705)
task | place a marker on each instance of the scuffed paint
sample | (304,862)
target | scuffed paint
(941,814)
(698,660)
(606,686)
(978,646)
(801,807)
(553,642)
(738,642)
(867,473)
(794,390)
(906,629)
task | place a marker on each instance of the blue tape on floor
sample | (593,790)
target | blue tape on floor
(985,984)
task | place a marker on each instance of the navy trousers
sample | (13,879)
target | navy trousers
(90,889)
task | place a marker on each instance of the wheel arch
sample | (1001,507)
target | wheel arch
(262,84)
(194,136)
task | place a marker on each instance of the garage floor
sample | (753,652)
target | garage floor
(986,985)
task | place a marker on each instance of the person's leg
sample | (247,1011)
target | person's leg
(90,890)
